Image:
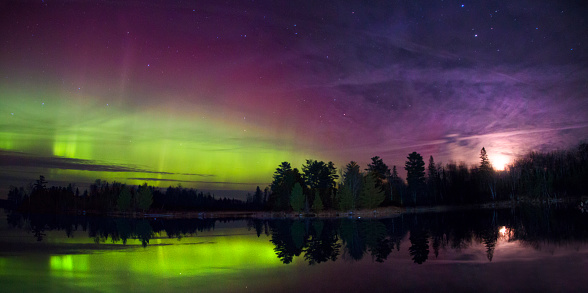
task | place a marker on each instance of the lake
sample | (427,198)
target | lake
(528,249)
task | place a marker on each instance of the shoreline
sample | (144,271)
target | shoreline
(380,212)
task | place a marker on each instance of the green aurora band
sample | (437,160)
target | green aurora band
(203,260)
(199,146)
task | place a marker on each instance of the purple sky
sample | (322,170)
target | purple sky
(335,80)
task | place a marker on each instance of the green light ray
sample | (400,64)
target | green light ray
(225,148)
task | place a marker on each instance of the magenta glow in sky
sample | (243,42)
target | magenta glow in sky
(164,89)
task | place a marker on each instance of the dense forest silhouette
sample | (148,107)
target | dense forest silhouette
(424,235)
(536,176)
(104,197)
(321,186)
(102,229)
(318,241)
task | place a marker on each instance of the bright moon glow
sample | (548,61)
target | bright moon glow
(502,230)
(152,97)
(499,162)
(505,233)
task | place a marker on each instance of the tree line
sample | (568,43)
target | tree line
(106,229)
(321,186)
(542,176)
(319,240)
(103,197)
(424,235)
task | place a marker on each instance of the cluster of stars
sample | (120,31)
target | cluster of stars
(208,59)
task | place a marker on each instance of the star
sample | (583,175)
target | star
(209,79)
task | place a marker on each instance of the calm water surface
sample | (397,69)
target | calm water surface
(522,250)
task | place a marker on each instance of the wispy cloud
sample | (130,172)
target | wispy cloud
(19,159)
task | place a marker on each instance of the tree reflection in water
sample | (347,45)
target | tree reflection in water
(419,248)
(324,240)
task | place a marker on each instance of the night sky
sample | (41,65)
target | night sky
(215,94)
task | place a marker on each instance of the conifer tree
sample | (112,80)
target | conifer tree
(352,179)
(124,199)
(297,198)
(144,197)
(371,195)
(346,201)
(486,173)
(317,205)
(415,174)
(485,166)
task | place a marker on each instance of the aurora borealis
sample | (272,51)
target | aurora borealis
(215,94)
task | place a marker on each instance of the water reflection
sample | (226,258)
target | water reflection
(318,241)
(419,245)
